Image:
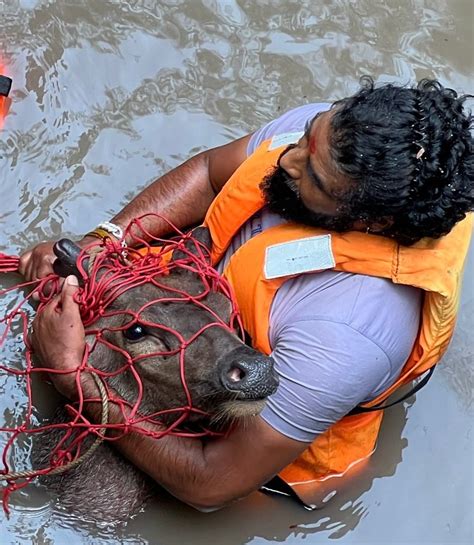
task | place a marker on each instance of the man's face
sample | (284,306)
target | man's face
(306,187)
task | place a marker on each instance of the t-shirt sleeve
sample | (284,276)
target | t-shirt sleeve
(292,121)
(325,369)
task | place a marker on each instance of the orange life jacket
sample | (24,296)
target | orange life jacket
(435,266)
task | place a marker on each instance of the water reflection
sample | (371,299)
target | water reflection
(109,94)
(279,519)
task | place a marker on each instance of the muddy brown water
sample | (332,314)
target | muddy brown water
(109,94)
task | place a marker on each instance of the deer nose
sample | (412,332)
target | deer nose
(248,373)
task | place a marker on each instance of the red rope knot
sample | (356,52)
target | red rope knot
(61,458)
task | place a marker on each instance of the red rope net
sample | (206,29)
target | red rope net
(110,276)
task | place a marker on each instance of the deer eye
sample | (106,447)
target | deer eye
(135,333)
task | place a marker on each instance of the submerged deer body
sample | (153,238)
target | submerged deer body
(226,379)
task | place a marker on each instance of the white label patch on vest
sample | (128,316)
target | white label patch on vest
(285,139)
(299,256)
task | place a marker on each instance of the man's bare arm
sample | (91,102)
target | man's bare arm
(183,195)
(208,475)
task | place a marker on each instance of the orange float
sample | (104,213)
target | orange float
(5,86)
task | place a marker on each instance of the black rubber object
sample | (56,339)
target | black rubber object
(67,253)
(5,85)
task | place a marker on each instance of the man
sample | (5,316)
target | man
(316,220)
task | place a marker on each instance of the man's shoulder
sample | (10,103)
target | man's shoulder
(385,313)
(291,121)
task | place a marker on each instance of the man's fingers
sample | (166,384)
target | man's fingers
(27,270)
(70,287)
(37,262)
(24,262)
(52,308)
(43,271)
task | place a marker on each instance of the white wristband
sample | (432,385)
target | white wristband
(114,230)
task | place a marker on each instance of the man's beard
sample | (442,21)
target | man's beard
(281,196)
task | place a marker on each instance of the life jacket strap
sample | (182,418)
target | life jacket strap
(418,386)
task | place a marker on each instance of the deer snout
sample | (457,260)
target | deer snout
(248,373)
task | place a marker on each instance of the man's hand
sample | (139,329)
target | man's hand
(38,262)
(58,338)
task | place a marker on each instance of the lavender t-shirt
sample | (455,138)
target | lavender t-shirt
(337,338)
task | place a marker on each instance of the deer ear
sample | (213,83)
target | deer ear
(203,235)
(67,255)
(199,237)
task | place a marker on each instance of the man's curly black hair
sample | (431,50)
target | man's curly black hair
(409,154)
